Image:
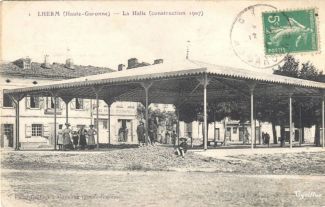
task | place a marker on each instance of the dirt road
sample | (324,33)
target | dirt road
(138,188)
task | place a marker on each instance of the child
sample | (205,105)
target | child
(182,148)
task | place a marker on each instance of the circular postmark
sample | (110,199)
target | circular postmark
(247,38)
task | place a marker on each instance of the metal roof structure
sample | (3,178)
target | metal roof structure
(176,82)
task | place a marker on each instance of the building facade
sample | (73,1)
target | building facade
(36,113)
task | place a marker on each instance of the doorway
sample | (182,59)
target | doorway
(7,135)
(125,130)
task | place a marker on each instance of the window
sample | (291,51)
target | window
(37,130)
(50,103)
(79,103)
(34,102)
(7,101)
(234,130)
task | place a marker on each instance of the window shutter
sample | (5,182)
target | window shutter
(27,102)
(61,103)
(1,100)
(28,131)
(48,102)
(73,104)
(46,131)
(86,104)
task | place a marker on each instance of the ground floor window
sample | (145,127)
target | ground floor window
(37,130)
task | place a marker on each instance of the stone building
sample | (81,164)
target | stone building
(36,113)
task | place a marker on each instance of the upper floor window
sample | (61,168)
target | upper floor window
(50,103)
(7,102)
(33,102)
(79,103)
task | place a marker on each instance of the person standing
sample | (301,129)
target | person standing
(174,136)
(91,137)
(66,133)
(82,137)
(121,134)
(60,137)
(75,139)
(140,133)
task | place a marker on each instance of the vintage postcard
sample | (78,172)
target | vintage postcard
(162,103)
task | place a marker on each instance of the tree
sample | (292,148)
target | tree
(305,109)
(289,68)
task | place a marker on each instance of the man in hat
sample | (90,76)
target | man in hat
(91,137)
(182,148)
(66,134)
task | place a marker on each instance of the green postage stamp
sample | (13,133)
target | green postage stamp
(290,31)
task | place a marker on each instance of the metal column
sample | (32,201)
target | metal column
(323,124)
(16,99)
(290,120)
(252,87)
(109,103)
(55,133)
(66,112)
(109,124)
(146,86)
(17,125)
(97,118)
(205,112)
(147,114)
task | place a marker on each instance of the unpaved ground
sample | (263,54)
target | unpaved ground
(154,176)
(163,159)
(138,188)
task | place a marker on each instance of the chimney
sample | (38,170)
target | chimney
(158,61)
(69,63)
(46,63)
(121,67)
(132,63)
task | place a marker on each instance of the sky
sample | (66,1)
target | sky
(109,41)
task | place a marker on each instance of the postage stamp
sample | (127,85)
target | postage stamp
(290,31)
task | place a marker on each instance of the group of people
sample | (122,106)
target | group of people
(152,132)
(80,139)
(180,150)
